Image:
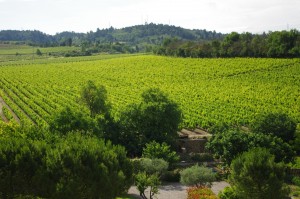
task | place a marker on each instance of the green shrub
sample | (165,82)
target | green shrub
(228,193)
(160,151)
(296,181)
(172,176)
(152,166)
(197,176)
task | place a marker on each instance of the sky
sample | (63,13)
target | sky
(53,16)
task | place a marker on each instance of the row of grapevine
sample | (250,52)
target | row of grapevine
(209,91)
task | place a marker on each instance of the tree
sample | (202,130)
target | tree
(149,175)
(276,124)
(68,120)
(197,176)
(95,98)
(23,168)
(162,151)
(143,181)
(88,167)
(38,52)
(255,175)
(228,145)
(155,118)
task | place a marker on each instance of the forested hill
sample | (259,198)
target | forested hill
(148,34)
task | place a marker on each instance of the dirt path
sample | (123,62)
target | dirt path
(176,190)
(3,104)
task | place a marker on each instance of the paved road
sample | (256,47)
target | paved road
(176,190)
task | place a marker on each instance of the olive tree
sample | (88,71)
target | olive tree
(149,175)
(197,176)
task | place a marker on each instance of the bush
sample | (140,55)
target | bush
(152,166)
(228,193)
(172,176)
(197,176)
(296,181)
(200,193)
(161,151)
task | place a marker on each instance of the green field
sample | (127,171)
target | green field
(209,91)
(11,52)
(9,49)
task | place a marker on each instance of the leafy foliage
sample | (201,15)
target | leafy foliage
(274,44)
(152,166)
(256,175)
(70,166)
(95,98)
(89,167)
(143,181)
(228,145)
(149,174)
(23,168)
(68,120)
(197,176)
(156,118)
(276,124)
(154,150)
(228,193)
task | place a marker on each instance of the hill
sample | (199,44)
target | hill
(147,33)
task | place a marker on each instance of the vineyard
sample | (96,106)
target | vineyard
(209,91)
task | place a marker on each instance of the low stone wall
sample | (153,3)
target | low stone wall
(192,145)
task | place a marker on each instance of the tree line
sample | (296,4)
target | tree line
(278,44)
(150,34)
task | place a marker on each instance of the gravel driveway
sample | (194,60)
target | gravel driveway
(176,190)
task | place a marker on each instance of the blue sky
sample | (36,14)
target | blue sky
(52,16)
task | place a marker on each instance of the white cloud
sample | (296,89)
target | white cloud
(54,16)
